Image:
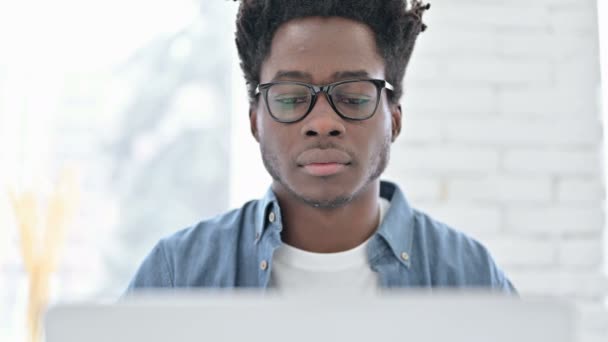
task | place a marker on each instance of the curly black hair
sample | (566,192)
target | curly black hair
(395,26)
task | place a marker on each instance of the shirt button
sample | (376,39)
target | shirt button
(263,265)
(405,256)
(257,236)
(271,217)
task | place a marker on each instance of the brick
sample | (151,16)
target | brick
(548,102)
(500,189)
(420,130)
(449,101)
(514,132)
(474,220)
(557,162)
(580,191)
(484,16)
(442,40)
(500,72)
(438,160)
(578,71)
(555,221)
(522,252)
(544,45)
(581,253)
(582,18)
(423,70)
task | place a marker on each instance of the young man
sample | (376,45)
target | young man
(324,80)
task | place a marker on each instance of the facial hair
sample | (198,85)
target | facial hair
(378,162)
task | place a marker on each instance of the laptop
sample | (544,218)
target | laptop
(235,316)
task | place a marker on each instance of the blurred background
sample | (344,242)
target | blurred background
(145,105)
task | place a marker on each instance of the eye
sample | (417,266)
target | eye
(291,100)
(352,99)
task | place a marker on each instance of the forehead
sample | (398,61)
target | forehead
(321,48)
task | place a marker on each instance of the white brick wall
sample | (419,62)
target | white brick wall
(555,161)
(580,253)
(477,220)
(582,191)
(556,220)
(502,139)
(445,159)
(500,189)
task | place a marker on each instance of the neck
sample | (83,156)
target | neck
(329,230)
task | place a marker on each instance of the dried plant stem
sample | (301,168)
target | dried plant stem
(40,252)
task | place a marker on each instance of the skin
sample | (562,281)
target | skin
(326,214)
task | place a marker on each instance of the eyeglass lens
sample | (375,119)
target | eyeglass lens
(355,100)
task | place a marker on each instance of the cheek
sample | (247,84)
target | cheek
(274,137)
(383,125)
(379,135)
(386,115)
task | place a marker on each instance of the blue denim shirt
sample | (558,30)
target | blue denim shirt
(409,249)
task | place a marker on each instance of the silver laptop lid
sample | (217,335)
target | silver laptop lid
(268,318)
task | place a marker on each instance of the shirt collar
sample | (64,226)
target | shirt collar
(396,228)
(266,205)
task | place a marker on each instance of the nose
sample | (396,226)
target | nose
(323,121)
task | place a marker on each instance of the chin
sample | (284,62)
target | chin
(324,194)
(327,202)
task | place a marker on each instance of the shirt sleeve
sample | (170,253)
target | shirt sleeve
(500,281)
(154,272)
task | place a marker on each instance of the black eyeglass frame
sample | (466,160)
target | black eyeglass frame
(326,89)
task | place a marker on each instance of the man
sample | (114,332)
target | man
(324,80)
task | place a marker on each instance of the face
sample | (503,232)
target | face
(324,160)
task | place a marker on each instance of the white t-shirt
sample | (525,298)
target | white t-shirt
(298,271)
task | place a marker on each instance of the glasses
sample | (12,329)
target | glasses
(289,102)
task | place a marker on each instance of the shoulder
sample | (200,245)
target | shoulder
(186,256)
(454,258)
(206,234)
(445,240)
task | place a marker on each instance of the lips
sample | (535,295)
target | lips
(319,156)
(318,162)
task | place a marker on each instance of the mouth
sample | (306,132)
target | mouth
(323,162)
(324,169)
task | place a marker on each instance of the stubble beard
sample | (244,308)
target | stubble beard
(379,162)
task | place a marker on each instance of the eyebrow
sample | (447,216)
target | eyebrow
(337,76)
(340,75)
(292,74)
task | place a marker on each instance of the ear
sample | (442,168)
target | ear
(396,115)
(253,122)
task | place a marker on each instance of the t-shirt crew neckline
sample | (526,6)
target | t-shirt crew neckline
(327,262)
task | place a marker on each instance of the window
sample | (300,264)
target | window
(141,112)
